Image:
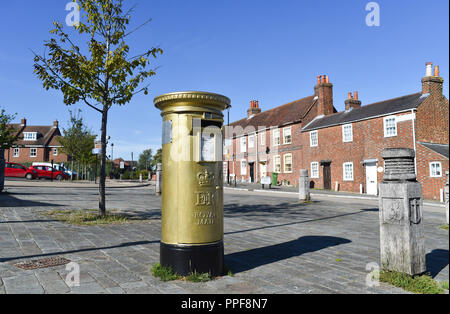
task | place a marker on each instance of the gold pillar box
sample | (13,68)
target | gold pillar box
(192,193)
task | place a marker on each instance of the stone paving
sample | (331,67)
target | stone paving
(273,244)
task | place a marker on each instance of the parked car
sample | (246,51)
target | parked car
(59,167)
(45,172)
(14,170)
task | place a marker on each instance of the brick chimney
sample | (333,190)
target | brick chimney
(324,90)
(254,108)
(56,124)
(352,102)
(432,83)
(23,122)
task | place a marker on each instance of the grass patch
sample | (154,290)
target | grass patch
(445,227)
(87,217)
(423,284)
(197,277)
(444,285)
(164,273)
(167,274)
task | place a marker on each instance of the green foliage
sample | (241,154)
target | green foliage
(444,285)
(164,273)
(104,72)
(157,158)
(7,132)
(418,284)
(107,75)
(78,140)
(445,227)
(197,277)
(145,160)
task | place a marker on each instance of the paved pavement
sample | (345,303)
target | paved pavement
(273,244)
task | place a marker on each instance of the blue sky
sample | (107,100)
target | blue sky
(271,51)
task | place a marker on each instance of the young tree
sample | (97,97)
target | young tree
(145,160)
(102,77)
(78,140)
(8,135)
(157,158)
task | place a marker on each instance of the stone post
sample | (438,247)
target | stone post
(402,241)
(158,179)
(446,196)
(303,186)
(2,170)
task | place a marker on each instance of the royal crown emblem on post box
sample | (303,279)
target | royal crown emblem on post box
(205,178)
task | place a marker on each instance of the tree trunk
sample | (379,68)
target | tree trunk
(102,187)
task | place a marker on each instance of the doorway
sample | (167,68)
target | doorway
(326,175)
(252,172)
(371,179)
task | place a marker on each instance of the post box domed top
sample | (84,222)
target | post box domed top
(192,101)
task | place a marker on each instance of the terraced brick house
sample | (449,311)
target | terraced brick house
(342,150)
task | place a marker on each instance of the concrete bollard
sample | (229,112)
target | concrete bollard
(158,179)
(303,186)
(140,178)
(402,241)
(446,197)
(2,170)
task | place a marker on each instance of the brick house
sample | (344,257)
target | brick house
(342,150)
(36,144)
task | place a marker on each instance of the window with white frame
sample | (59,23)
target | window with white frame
(33,152)
(435,169)
(287,135)
(263,138)
(243,167)
(390,126)
(288,163)
(55,151)
(251,141)
(243,144)
(348,171)
(29,136)
(314,139)
(16,152)
(276,137)
(347,133)
(315,170)
(277,164)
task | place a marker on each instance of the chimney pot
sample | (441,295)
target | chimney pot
(23,121)
(429,69)
(327,79)
(356,96)
(350,95)
(436,71)
(56,123)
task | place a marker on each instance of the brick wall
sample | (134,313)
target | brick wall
(368,143)
(43,155)
(430,185)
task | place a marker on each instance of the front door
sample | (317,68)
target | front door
(263,170)
(327,176)
(252,172)
(371,179)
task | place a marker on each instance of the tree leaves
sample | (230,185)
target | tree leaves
(8,135)
(106,75)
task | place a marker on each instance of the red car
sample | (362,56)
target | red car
(19,171)
(46,172)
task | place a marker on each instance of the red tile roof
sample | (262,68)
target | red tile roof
(289,113)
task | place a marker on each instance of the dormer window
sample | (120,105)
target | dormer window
(30,136)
